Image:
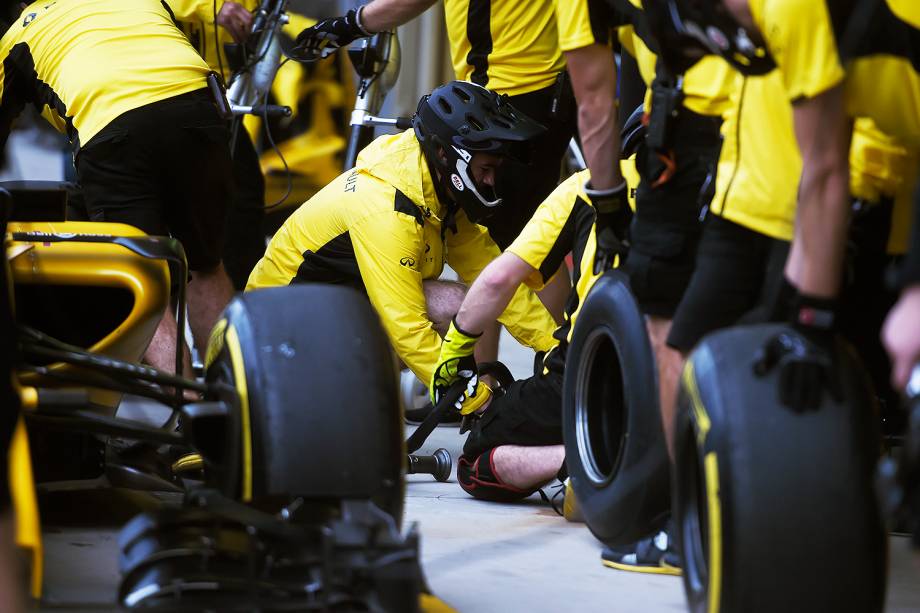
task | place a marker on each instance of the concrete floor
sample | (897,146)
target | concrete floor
(479,557)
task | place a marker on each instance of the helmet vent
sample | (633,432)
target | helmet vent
(462,94)
(474,123)
(445,106)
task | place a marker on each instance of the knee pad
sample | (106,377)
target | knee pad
(477,477)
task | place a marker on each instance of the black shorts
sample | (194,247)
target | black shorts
(529,412)
(524,187)
(738,277)
(666,229)
(164,168)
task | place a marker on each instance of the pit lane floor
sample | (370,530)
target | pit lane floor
(477,556)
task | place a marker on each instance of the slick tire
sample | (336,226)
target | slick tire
(775,508)
(318,406)
(614,445)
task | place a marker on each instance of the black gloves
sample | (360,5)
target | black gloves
(806,356)
(330,34)
(612,226)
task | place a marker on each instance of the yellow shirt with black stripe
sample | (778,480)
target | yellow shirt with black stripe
(378,228)
(516,47)
(508,46)
(83,63)
(707,85)
(563,223)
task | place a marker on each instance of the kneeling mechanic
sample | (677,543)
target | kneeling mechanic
(412,201)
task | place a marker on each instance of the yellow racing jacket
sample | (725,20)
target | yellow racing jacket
(380,228)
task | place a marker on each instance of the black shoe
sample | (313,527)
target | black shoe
(655,554)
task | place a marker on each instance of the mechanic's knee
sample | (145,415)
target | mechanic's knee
(443,299)
(478,478)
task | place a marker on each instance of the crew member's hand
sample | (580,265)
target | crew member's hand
(901,336)
(613,217)
(234,18)
(805,356)
(455,363)
(330,34)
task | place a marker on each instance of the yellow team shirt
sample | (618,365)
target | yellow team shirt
(378,228)
(879,81)
(757,177)
(83,63)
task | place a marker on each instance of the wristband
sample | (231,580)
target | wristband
(360,25)
(606,200)
(460,339)
(814,312)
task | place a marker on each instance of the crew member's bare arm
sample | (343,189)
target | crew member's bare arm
(594,76)
(823,133)
(491,292)
(382,15)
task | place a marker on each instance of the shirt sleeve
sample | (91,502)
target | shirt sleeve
(582,23)
(468,252)
(549,235)
(800,37)
(389,248)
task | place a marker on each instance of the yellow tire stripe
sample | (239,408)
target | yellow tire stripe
(239,376)
(714,507)
(713,501)
(703,423)
(215,342)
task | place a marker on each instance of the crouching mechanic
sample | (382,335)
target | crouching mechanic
(515,445)
(412,201)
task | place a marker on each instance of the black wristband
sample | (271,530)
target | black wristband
(814,312)
(607,200)
(462,331)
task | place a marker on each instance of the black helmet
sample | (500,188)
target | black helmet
(688,29)
(461,119)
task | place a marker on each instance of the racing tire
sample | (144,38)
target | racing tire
(614,445)
(774,509)
(316,398)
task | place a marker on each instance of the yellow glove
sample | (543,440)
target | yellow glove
(455,363)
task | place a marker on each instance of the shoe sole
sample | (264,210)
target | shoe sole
(664,569)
